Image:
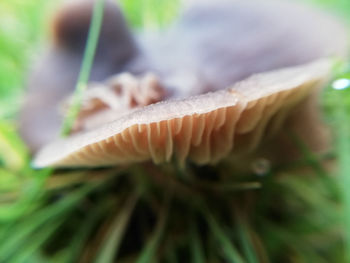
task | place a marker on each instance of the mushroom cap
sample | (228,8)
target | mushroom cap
(203,128)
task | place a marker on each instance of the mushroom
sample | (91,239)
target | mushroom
(204,128)
(212,45)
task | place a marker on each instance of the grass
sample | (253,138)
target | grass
(86,66)
(339,107)
(20,33)
(150,14)
(147,213)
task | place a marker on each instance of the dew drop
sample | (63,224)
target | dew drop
(261,166)
(341,84)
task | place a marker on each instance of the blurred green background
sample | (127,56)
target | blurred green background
(35,204)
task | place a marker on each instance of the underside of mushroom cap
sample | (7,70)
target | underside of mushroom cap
(203,128)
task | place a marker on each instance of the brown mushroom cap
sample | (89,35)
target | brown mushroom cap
(203,128)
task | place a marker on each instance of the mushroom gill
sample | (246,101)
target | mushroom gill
(204,128)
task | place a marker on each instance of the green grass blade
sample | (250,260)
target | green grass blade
(246,242)
(80,238)
(28,196)
(21,232)
(110,246)
(87,62)
(148,253)
(343,151)
(316,165)
(230,252)
(196,246)
(171,256)
(37,240)
(13,153)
